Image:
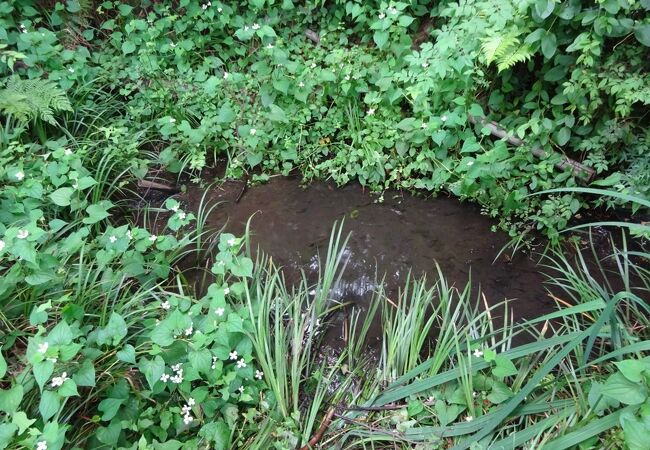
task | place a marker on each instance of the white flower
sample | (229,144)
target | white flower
(176,367)
(204,6)
(232,241)
(425,64)
(469,419)
(301,84)
(182,215)
(67,152)
(186,409)
(165,305)
(221,263)
(52,360)
(225,75)
(474,394)
(313,65)
(478,353)
(220,9)
(219,311)
(347,78)
(189,330)
(226,291)
(246,28)
(381,15)
(113,239)
(153,238)
(191,401)
(164,377)
(270,46)
(443,118)
(392,10)
(58,381)
(129,235)
(187,419)
(172,120)
(424,125)
(177,379)
(2,245)
(71,70)
(253,131)
(20,175)
(42,445)
(175,208)
(256,26)
(241,389)
(75,186)
(259,374)
(22,234)
(214,362)
(42,348)
(172,44)
(469,163)
(233,355)
(241,363)
(371,111)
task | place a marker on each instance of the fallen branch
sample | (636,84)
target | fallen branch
(581,171)
(321,430)
(146,184)
(313,36)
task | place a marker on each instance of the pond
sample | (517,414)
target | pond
(391,238)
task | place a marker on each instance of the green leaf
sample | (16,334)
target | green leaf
(61,197)
(7,431)
(225,114)
(42,372)
(114,331)
(544,8)
(152,369)
(243,267)
(201,360)
(563,136)
(127,354)
(380,38)
(61,334)
(218,433)
(97,212)
(109,407)
(3,366)
(277,114)
(633,369)
(85,376)
(128,47)
(49,405)
(68,389)
(625,391)
(504,367)
(636,432)
(10,399)
(549,45)
(642,33)
(21,420)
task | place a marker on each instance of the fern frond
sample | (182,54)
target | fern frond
(522,54)
(496,47)
(33,99)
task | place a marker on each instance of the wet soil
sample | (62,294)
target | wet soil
(402,234)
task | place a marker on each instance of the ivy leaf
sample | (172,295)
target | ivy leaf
(642,34)
(380,38)
(42,372)
(61,334)
(109,407)
(504,367)
(128,47)
(10,399)
(243,267)
(97,212)
(549,45)
(68,389)
(114,331)
(127,354)
(277,114)
(625,391)
(61,197)
(49,405)
(152,369)
(21,420)
(85,376)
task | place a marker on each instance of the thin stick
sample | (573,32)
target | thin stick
(321,430)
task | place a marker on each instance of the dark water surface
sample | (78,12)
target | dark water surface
(402,234)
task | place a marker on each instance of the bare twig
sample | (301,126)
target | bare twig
(321,430)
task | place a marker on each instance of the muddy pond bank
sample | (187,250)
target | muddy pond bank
(402,234)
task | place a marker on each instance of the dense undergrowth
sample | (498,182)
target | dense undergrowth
(104,345)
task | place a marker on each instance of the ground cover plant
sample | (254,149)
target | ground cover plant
(103,344)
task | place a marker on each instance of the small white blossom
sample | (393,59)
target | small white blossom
(468,418)
(259,374)
(424,125)
(214,362)
(22,234)
(474,394)
(241,389)
(42,445)
(204,6)
(425,64)
(153,238)
(270,46)
(231,242)
(478,353)
(172,45)
(58,381)
(174,208)
(241,363)
(392,10)
(470,163)
(187,419)
(191,401)
(226,291)
(71,70)
(113,239)
(381,15)
(313,65)
(20,175)
(371,111)
(246,28)
(443,118)
(301,84)
(233,355)
(42,348)
(253,131)
(219,9)
(189,330)
(182,215)
(129,235)
(256,26)
(165,305)
(186,409)
(67,152)
(2,245)
(219,311)
(177,367)
(172,120)
(347,78)
(177,379)
(225,75)
(164,377)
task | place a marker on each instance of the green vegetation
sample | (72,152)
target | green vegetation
(104,345)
